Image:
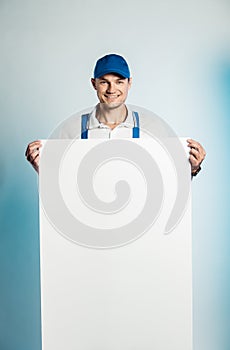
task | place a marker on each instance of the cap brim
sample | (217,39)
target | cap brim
(112,71)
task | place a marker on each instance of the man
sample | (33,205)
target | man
(111,118)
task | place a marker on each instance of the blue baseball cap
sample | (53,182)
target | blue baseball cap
(111,63)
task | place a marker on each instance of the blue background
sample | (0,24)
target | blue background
(179,56)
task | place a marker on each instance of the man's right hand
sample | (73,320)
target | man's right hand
(32,154)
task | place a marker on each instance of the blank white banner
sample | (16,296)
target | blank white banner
(112,276)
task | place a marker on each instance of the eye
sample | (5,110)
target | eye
(103,82)
(120,82)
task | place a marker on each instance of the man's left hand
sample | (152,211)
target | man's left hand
(197,155)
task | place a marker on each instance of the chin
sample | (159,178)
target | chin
(113,105)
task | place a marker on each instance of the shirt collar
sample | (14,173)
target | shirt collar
(94,123)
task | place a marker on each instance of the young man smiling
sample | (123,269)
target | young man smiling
(111,118)
(112,91)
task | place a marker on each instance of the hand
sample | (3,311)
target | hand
(197,155)
(32,154)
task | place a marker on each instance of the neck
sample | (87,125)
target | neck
(107,115)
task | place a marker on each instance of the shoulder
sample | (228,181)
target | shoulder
(71,127)
(151,123)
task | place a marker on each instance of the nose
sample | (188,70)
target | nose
(111,88)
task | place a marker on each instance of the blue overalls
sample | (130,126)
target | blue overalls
(85,120)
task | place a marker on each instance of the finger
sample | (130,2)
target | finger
(35,164)
(31,148)
(31,157)
(197,145)
(193,161)
(194,143)
(199,149)
(33,145)
(36,160)
(195,153)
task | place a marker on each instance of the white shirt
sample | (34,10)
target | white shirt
(150,124)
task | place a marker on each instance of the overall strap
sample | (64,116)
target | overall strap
(136,128)
(84,126)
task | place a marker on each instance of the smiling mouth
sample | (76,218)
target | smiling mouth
(111,97)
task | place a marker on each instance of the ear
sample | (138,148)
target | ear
(130,82)
(93,81)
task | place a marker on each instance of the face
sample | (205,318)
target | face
(112,89)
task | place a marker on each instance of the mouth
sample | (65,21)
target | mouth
(111,97)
